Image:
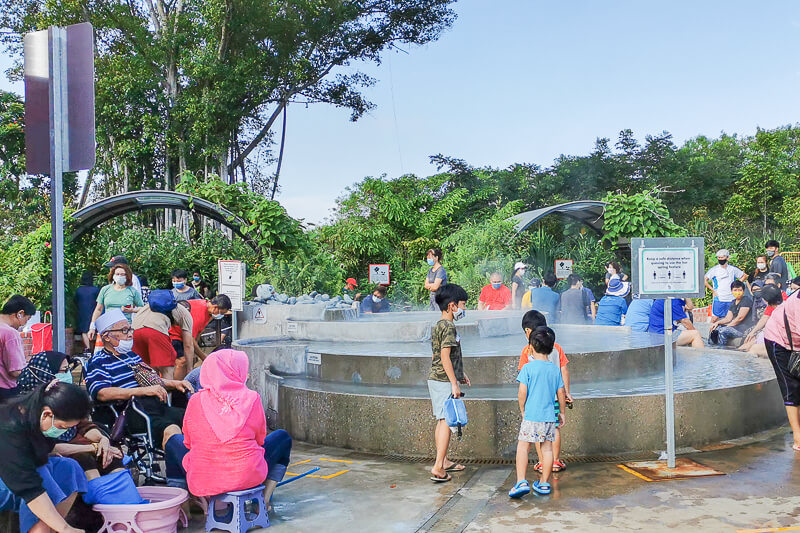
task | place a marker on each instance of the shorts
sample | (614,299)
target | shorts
(537,431)
(789,385)
(720,309)
(440,391)
(178,347)
(153,347)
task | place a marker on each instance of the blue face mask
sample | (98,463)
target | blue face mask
(431,262)
(64,377)
(496,285)
(178,284)
(196,278)
(53,432)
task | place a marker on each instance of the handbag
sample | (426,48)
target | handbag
(42,334)
(118,430)
(794,357)
(143,373)
(455,414)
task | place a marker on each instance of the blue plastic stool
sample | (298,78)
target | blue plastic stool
(236,520)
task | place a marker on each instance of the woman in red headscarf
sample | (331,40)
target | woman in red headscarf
(225,431)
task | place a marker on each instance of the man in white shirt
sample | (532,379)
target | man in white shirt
(718,281)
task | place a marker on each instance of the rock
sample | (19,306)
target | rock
(282,298)
(313,293)
(318,298)
(336,298)
(265,291)
(325,298)
(292,300)
(347,299)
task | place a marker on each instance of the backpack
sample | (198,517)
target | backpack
(162,301)
(455,413)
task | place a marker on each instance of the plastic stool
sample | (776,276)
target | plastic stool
(236,520)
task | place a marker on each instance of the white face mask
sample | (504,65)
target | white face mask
(217,317)
(459,313)
(120,280)
(124,346)
(377,300)
(762,266)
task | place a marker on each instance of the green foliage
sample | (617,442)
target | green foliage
(306,270)
(637,215)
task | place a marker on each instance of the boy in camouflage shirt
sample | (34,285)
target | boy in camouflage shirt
(447,371)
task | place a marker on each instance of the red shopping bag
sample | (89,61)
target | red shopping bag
(42,334)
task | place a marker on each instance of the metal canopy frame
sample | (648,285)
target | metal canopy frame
(588,212)
(111,207)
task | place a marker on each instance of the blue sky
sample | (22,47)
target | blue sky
(526,81)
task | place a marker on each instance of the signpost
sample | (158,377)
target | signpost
(563,268)
(59,128)
(232,284)
(668,268)
(379,274)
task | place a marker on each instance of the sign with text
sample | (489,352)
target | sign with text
(563,268)
(231,282)
(668,267)
(260,316)
(379,274)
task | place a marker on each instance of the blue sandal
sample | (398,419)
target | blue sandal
(520,489)
(541,488)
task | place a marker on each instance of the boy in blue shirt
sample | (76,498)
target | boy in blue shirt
(539,383)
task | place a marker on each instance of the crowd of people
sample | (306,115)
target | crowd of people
(142,349)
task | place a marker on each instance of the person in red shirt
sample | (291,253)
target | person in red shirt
(530,321)
(495,296)
(754,342)
(202,312)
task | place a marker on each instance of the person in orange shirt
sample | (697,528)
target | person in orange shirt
(530,321)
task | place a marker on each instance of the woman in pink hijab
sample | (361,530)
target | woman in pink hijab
(225,446)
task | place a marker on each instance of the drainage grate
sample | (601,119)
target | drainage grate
(489,461)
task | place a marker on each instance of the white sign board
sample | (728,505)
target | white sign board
(379,274)
(291,327)
(314,358)
(231,282)
(563,268)
(668,267)
(260,316)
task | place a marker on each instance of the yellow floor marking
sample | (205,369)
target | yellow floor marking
(334,475)
(301,462)
(768,529)
(336,460)
(635,473)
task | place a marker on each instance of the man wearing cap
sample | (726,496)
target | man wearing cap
(121,260)
(718,280)
(110,378)
(518,284)
(495,296)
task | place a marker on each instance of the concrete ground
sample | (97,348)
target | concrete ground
(760,492)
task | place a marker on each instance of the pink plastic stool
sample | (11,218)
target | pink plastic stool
(161,515)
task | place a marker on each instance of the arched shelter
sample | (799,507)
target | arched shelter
(588,212)
(104,210)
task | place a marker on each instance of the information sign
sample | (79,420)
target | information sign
(231,282)
(668,267)
(563,268)
(379,274)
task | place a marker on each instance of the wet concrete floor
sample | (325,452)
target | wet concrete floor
(355,493)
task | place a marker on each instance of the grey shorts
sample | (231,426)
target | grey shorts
(537,431)
(439,392)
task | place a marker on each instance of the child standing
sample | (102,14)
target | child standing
(447,371)
(539,382)
(532,320)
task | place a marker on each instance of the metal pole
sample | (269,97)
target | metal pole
(58,137)
(235,326)
(669,383)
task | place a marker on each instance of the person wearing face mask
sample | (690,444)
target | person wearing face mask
(447,372)
(180,289)
(737,321)
(118,294)
(14,315)
(85,443)
(203,312)
(200,285)
(375,302)
(761,270)
(437,275)
(495,296)
(777,264)
(718,280)
(111,377)
(41,488)
(613,269)
(518,284)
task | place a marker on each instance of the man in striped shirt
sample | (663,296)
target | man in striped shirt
(110,379)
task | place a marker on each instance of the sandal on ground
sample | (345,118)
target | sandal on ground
(455,468)
(520,489)
(437,479)
(558,466)
(541,488)
(795,447)
(538,467)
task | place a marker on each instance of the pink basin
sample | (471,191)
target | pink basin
(161,515)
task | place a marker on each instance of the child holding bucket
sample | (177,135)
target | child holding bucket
(539,382)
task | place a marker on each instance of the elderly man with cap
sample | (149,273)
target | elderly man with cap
(116,374)
(718,280)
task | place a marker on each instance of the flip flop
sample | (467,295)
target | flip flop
(455,468)
(520,489)
(795,447)
(437,479)
(541,488)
